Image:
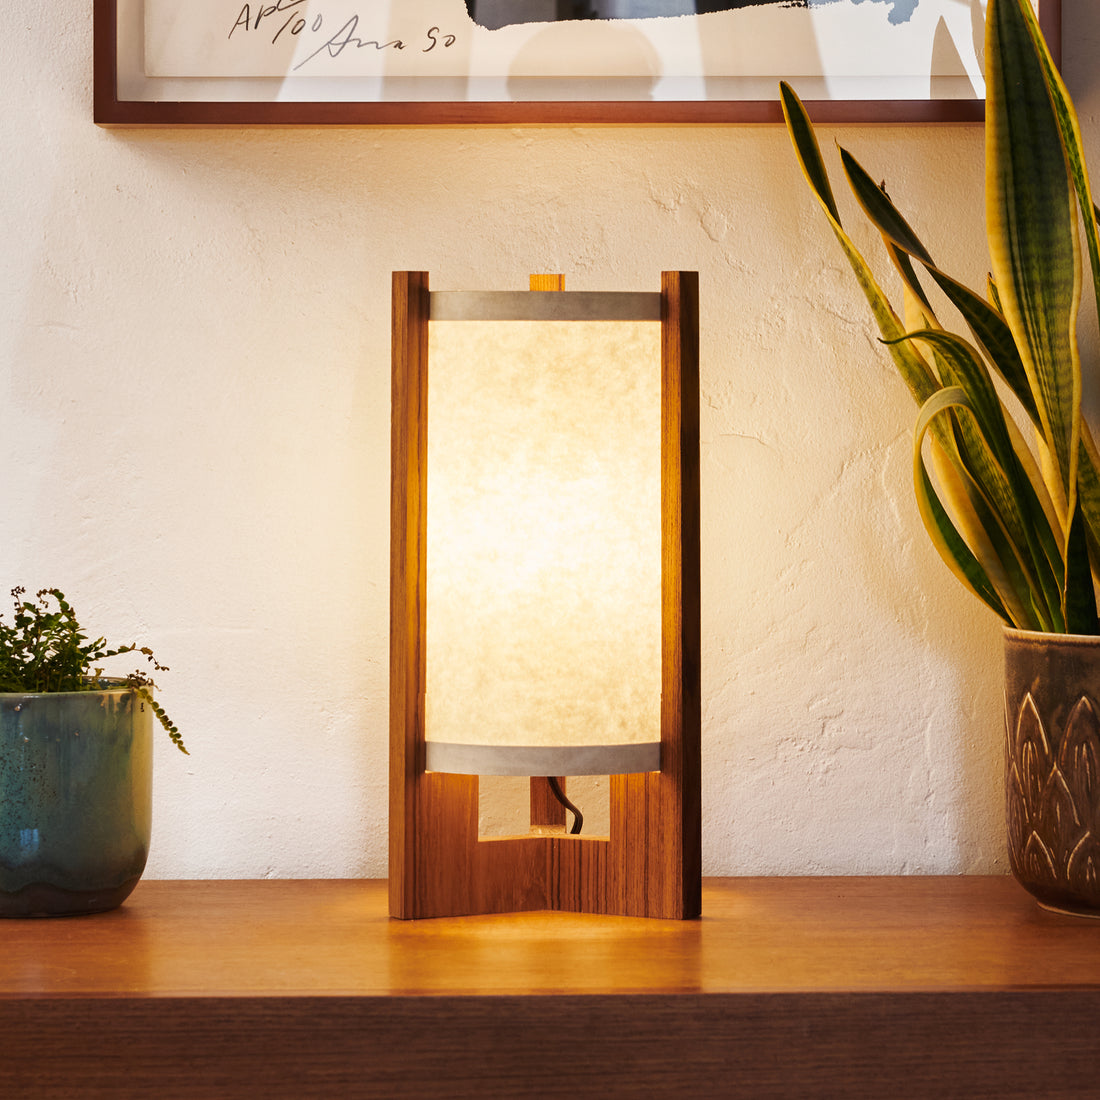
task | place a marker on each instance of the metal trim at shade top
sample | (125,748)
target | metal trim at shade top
(543,305)
(443,756)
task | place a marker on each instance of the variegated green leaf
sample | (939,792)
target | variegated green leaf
(1079,596)
(987,324)
(993,336)
(1071,141)
(880,208)
(954,548)
(1018,533)
(994,294)
(900,240)
(802,134)
(905,269)
(1088,489)
(977,566)
(987,452)
(1031,225)
(1034,473)
(912,367)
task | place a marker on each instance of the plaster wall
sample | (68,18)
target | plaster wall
(195,397)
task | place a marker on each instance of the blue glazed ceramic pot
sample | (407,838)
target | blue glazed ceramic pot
(75,800)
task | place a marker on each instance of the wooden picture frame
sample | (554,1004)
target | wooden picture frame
(125,96)
(650,864)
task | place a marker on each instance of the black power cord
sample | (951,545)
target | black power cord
(559,794)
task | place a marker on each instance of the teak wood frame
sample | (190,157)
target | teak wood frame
(650,864)
(109,109)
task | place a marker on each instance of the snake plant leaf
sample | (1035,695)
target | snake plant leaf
(987,449)
(809,152)
(993,336)
(1071,138)
(914,370)
(989,571)
(1088,474)
(963,367)
(1031,225)
(990,451)
(1079,595)
(994,293)
(953,547)
(1071,141)
(904,265)
(898,236)
(1021,532)
(1088,488)
(917,319)
(1034,474)
(880,208)
(987,324)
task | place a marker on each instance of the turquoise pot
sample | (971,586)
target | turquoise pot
(75,800)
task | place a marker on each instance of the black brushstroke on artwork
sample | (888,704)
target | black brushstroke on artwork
(583,9)
(703,7)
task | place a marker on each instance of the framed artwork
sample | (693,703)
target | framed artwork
(463,62)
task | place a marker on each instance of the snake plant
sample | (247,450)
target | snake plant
(1019,526)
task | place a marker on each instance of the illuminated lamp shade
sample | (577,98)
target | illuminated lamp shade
(545,594)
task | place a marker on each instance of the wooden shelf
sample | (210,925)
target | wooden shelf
(853,987)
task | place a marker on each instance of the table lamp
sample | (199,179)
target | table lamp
(544,594)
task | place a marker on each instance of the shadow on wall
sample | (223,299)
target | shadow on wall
(633,52)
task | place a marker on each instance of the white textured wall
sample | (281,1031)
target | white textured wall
(195,440)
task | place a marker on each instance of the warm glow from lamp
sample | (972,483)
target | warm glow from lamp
(544,545)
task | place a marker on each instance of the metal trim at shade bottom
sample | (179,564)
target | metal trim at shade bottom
(442,756)
(544,305)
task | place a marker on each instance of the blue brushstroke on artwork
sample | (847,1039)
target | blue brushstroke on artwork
(901,11)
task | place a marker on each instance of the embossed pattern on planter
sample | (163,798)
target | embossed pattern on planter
(1052,821)
(1052,767)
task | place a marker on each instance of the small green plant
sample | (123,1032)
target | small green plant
(44,650)
(1018,525)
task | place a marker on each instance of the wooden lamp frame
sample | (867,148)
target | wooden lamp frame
(649,866)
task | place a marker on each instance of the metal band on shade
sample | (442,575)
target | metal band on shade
(543,305)
(442,756)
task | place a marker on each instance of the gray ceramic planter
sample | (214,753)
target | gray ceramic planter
(75,801)
(1052,767)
